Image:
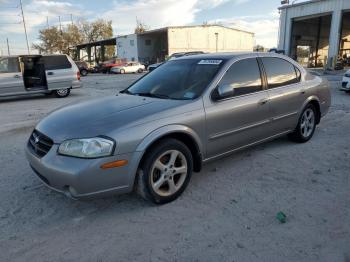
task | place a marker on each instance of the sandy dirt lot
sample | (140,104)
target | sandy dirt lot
(226,214)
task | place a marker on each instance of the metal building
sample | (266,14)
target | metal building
(156,45)
(316,32)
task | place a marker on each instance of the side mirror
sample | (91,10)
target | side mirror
(224,91)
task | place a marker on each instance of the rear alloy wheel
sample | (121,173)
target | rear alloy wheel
(84,72)
(166,172)
(122,71)
(306,125)
(60,93)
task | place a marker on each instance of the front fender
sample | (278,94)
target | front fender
(167,130)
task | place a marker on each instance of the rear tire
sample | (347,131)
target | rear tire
(83,72)
(306,125)
(60,93)
(165,172)
(139,71)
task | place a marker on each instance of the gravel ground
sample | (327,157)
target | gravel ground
(226,214)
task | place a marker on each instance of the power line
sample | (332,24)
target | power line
(12,23)
(9,7)
(11,15)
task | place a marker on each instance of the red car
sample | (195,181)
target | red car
(106,66)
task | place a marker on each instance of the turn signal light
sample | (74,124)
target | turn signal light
(118,163)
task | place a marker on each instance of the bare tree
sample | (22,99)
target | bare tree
(140,27)
(54,40)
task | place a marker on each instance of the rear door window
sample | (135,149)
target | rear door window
(280,72)
(56,62)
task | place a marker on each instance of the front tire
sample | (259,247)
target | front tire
(165,171)
(306,125)
(61,93)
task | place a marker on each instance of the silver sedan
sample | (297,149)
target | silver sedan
(191,110)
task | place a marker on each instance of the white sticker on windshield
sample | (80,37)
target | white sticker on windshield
(210,62)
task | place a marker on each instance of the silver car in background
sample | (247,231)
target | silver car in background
(30,74)
(191,110)
(130,67)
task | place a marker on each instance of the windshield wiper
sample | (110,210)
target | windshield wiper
(126,91)
(152,95)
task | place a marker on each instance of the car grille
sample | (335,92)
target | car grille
(39,144)
(344,84)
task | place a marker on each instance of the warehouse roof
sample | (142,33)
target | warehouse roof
(298,4)
(164,29)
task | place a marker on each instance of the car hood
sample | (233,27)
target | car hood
(101,116)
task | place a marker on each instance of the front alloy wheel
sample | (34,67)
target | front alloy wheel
(168,173)
(165,172)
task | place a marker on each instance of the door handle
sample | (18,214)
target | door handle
(302,91)
(50,73)
(16,76)
(263,101)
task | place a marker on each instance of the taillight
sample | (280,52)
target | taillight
(78,75)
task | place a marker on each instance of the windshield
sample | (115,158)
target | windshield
(178,79)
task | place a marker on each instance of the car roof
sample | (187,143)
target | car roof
(230,55)
(34,55)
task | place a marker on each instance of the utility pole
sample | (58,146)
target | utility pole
(71,18)
(47,22)
(8,46)
(24,25)
(59,20)
(217,39)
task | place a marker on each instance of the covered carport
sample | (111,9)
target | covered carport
(94,52)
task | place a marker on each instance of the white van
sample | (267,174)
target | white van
(28,74)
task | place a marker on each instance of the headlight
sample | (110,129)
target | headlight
(87,147)
(347,75)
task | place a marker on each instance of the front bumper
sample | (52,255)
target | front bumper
(83,178)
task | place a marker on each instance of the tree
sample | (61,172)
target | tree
(95,31)
(259,48)
(140,27)
(51,40)
(54,40)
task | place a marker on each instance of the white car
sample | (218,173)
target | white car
(131,67)
(345,86)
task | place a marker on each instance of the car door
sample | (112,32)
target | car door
(59,73)
(286,96)
(131,68)
(241,118)
(11,79)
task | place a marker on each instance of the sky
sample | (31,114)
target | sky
(258,16)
